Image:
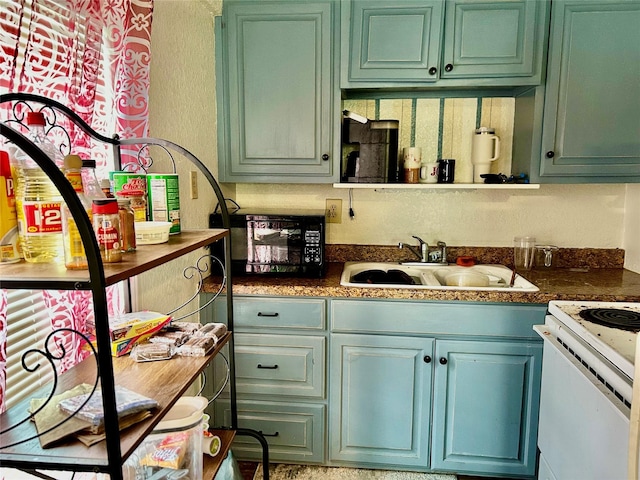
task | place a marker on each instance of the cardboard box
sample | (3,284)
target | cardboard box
(128,329)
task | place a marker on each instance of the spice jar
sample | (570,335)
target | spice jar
(106,224)
(138,203)
(127,228)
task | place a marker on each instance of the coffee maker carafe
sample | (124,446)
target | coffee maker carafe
(485,148)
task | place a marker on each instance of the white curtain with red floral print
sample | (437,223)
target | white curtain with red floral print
(105,79)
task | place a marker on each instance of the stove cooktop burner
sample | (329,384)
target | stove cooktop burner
(613,317)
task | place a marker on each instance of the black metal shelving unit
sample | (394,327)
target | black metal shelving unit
(25,453)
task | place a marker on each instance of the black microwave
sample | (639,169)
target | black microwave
(289,243)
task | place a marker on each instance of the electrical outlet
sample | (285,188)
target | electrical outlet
(334,210)
(194,184)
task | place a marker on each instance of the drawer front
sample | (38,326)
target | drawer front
(505,320)
(274,312)
(294,432)
(280,365)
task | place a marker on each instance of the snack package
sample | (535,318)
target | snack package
(127,403)
(187,327)
(217,330)
(150,352)
(196,347)
(170,337)
(170,451)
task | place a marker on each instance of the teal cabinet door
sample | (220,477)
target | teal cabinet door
(494,39)
(485,408)
(392,41)
(591,124)
(380,400)
(275,117)
(457,43)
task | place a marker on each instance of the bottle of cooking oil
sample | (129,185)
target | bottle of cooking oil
(38,202)
(75,257)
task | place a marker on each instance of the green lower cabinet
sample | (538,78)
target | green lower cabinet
(485,407)
(380,390)
(294,431)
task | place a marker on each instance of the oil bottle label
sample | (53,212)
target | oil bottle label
(42,217)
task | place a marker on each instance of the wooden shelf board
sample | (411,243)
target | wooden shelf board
(146,257)
(439,186)
(164,381)
(211,465)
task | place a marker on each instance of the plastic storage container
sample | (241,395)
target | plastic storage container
(151,233)
(174,448)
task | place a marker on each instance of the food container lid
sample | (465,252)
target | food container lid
(485,130)
(105,206)
(35,118)
(186,413)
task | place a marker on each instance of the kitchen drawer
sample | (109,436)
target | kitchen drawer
(294,432)
(280,364)
(504,320)
(274,312)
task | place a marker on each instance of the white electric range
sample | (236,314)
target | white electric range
(587,382)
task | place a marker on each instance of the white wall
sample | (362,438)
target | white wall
(182,108)
(631,241)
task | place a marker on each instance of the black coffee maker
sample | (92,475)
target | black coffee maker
(370,150)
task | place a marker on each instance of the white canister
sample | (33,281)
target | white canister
(485,148)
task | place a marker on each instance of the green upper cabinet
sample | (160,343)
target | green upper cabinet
(457,43)
(591,120)
(391,42)
(274,65)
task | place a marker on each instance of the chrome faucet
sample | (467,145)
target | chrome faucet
(438,256)
(423,246)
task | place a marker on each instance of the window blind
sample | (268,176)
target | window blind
(28,326)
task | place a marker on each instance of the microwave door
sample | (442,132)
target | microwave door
(273,246)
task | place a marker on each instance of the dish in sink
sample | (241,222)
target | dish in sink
(433,277)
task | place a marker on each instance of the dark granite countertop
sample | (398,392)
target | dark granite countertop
(581,274)
(585,283)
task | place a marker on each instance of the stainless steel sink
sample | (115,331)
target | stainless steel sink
(433,277)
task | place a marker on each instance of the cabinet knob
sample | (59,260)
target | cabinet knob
(448,67)
(433,71)
(443,361)
(427,359)
(550,154)
(325,157)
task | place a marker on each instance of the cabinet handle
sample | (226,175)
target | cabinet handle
(268,314)
(443,361)
(433,71)
(325,157)
(277,434)
(448,67)
(427,359)
(268,367)
(550,154)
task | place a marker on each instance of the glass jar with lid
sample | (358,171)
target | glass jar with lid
(138,203)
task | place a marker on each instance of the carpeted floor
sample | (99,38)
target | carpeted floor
(307,472)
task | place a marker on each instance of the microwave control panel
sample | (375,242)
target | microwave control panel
(312,247)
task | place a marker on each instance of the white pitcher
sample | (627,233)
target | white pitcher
(485,148)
